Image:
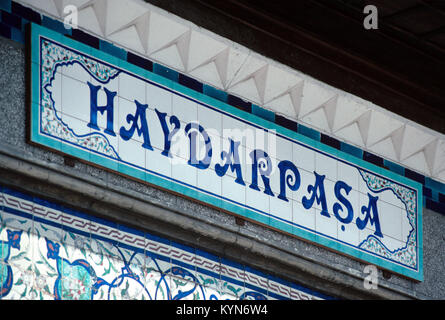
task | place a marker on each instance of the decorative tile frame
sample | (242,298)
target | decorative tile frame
(52,252)
(403,254)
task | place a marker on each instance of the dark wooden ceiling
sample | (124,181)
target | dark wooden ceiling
(400,66)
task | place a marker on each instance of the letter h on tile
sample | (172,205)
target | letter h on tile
(94,108)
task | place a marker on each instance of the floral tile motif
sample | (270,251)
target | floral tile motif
(408,255)
(53,58)
(44,259)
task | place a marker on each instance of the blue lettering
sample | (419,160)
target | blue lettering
(140,114)
(94,108)
(320,196)
(264,167)
(193,161)
(340,185)
(168,135)
(292,181)
(232,161)
(374,220)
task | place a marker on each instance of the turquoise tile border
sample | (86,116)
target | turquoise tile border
(309,132)
(55,25)
(356,152)
(306,136)
(112,49)
(263,113)
(214,93)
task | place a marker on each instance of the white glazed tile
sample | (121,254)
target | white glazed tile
(303,157)
(210,119)
(113,140)
(324,225)
(157,162)
(281,209)
(328,186)
(387,196)
(354,198)
(363,188)
(185,173)
(237,131)
(326,166)
(349,233)
(249,160)
(209,181)
(390,220)
(348,174)
(283,149)
(78,127)
(28,239)
(159,98)
(257,199)
(390,197)
(179,286)
(232,190)
(150,280)
(76,71)
(180,146)
(262,140)
(184,109)
(115,265)
(210,292)
(303,176)
(302,216)
(131,151)
(131,88)
(13,221)
(75,99)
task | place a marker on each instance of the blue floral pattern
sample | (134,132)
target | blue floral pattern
(88,259)
(6,275)
(408,254)
(54,57)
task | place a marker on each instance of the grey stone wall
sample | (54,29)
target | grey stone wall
(109,195)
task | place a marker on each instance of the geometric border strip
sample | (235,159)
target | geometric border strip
(12,25)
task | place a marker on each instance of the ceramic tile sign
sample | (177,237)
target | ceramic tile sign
(105,111)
